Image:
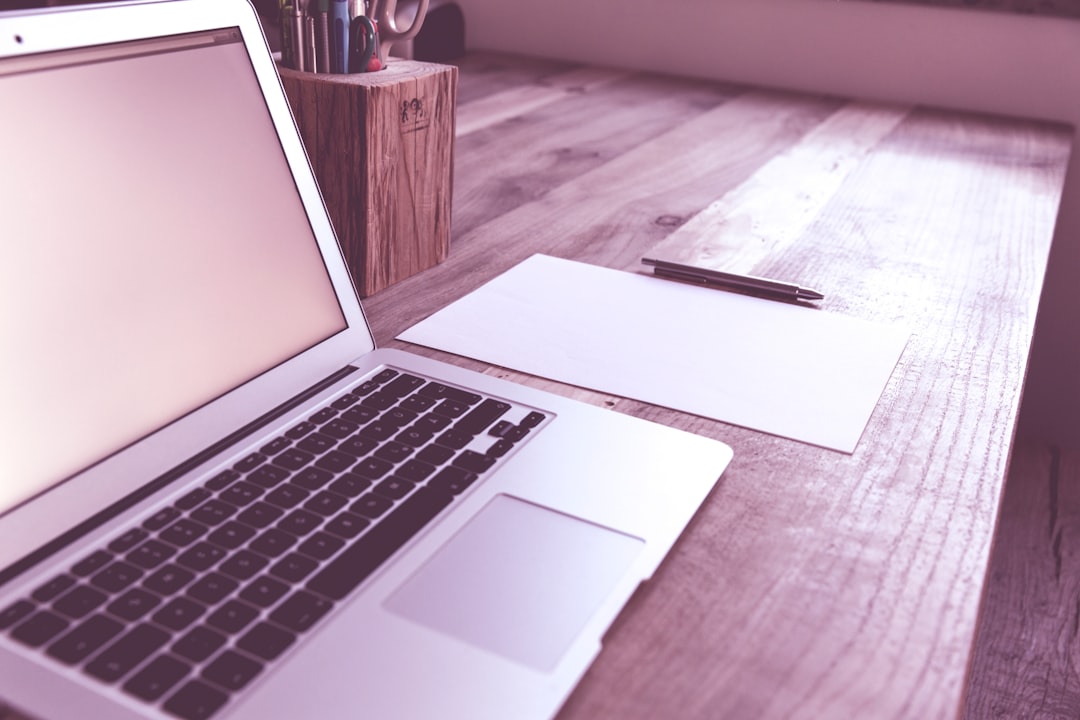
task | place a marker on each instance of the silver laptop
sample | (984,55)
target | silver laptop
(217,498)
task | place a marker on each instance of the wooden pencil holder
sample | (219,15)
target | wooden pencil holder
(382,148)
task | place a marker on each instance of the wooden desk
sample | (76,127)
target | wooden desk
(812,583)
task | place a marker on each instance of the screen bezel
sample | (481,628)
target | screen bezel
(51,513)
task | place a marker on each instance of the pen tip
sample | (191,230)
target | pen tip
(806,294)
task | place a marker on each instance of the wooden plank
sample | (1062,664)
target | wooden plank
(382,146)
(561,140)
(1027,649)
(609,214)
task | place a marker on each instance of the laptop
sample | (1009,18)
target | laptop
(218,499)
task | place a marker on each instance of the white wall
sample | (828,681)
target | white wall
(967,59)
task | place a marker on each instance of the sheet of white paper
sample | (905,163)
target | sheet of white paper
(779,368)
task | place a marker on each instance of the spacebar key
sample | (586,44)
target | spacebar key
(349,569)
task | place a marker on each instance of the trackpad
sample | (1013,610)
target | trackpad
(519,580)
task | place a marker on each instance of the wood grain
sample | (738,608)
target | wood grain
(1028,644)
(811,584)
(382,148)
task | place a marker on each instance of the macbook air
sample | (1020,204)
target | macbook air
(218,499)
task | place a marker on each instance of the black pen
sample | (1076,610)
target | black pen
(731,281)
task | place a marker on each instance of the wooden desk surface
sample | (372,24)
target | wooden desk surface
(812,583)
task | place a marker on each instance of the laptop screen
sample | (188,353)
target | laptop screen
(153,254)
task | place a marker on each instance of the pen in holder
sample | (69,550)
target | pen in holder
(342,36)
(382,148)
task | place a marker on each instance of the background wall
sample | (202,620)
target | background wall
(1008,63)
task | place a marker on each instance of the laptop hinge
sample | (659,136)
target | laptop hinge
(60,542)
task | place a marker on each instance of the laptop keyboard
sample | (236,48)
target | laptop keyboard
(189,606)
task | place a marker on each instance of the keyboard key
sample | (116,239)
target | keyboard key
(500,448)
(372,468)
(360,414)
(299,522)
(212,588)
(232,617)
(316,443)
(178,613)
(222,480)
(157,678)
(118,659)
(403,385)
(394,488)
(116,577)
(249,463)
(350,485)
(85,639)
(231,670)
(133,604)
(415,436)
(480,417)
(452,479)
(92,563)
(275,446)
(79,601)
(439,391)
(54,587)
(417,403)
(150,554)
(432,423)
(241,493)
(321,545)
(231,535)
(39,628)
(371,505)
(293,459)
(183,532)
(347,525)
(168,579)
(450,409)
(193,498)
(14,613)
(200,556)
(161,518)
(272,543)
(244,564)
(398,417)
(356,562)
(324,415)
(266,641)
(300,430)
(379,401)
(300,611)
(287,496)
(199,643)
(293,568)
(260,514)
(454,439)
(195,701)
(345,402)
(415,470)
(213,512)
(533,419)
(128,540)
(435,454)
(394,452)
(339,429)
(268,476)
(325,503)
(382,377)
(474,461)
(336,461)
(312,478)
(264,591)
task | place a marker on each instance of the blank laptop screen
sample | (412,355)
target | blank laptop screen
(153,253)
